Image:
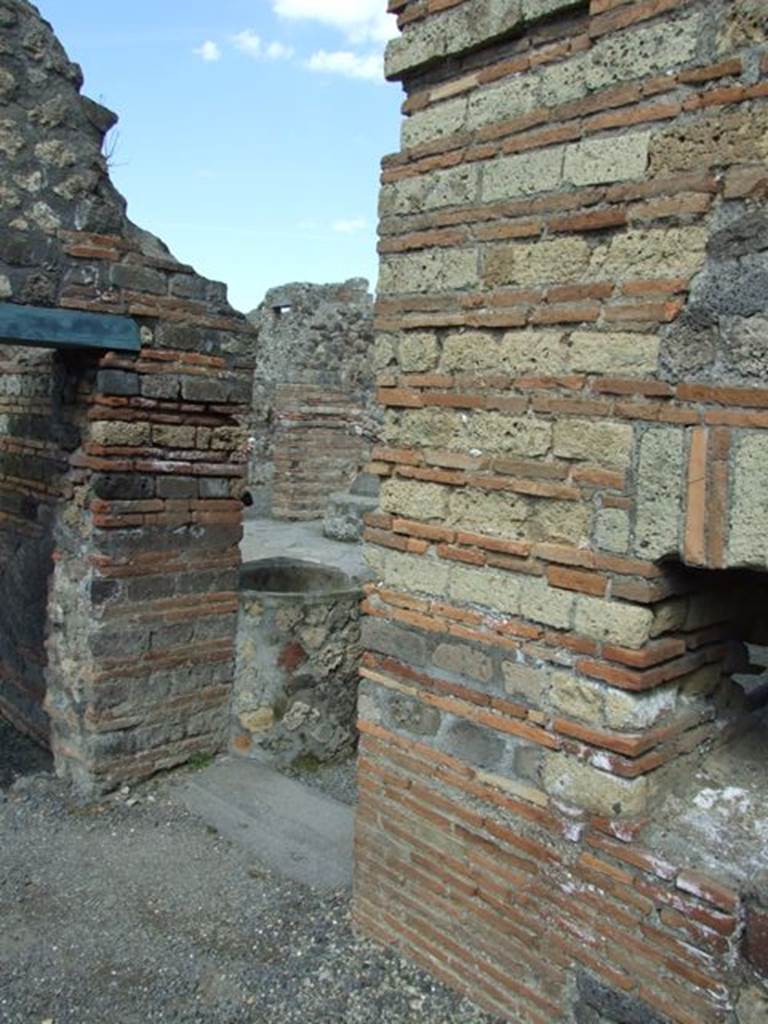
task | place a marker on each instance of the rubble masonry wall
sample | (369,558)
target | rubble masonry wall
(314,409)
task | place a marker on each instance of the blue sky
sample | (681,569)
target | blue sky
(251,131)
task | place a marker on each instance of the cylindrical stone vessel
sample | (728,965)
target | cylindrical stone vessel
(298,654)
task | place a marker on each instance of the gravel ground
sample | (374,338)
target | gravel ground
(131,911)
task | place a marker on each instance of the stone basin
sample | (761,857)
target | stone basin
(284,578)
(298,654)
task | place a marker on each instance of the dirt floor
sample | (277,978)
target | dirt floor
(131,911)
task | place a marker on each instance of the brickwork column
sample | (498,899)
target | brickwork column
(120,475)
(565,236)
(143,599)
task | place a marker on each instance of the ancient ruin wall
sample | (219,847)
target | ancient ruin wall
(314,411)
(33,457)
(572,337)
(119,524)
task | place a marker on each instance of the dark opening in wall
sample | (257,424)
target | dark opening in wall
(735,602)
(715,809)
(281,310)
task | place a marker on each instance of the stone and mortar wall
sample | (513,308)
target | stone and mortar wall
(572,341)
(298,656)
(314,410)
(119,474)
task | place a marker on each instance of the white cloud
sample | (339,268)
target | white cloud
(349,227)
(360,20)
(352,65)
(209,51)
(249,42)
(279,51)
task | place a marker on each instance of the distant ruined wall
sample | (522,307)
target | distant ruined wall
(572,336)
(314,411)
(119,475)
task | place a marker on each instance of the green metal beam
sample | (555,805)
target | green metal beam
(66,328)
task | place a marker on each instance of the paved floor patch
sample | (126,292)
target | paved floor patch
(299,832)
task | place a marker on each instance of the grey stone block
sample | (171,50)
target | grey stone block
(177,487)
(745,236)
(139,279)
(387,638)
(117,382)
(161,385)
(201,389)
(365,485)
(123,487)
(214,487)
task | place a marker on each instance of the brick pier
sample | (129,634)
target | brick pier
(572,341)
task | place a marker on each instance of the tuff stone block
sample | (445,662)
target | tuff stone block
(470,350)
(527,681)
(413,717)
(177,487)
(485,587)
(414,499)
(117,433)
(612,530)
(463,660)
(435,123)
(711,139)
(523,264)
(566,778)
(613,621)
(617,353)
(455,186)
(747,539)
(410,572)
(579,698)
(660,476)
(417,352)
(532,352)
(602,443)
(523,174)
(603,160)
(546,604)
(430,270)
(491,513)
(496,432)
(558,522)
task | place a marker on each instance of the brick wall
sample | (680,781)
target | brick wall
(119,475)
(314,408)
(319,447)
(572,337)
(33,457)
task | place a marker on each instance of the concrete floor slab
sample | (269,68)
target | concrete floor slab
(297,831)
